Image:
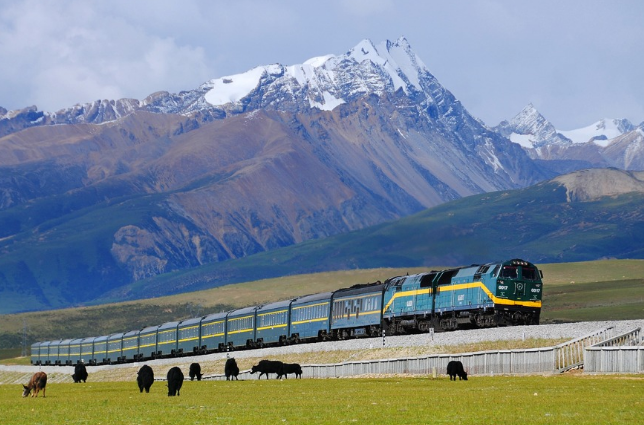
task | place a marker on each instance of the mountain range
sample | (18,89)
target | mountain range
(111,194)
(606,143)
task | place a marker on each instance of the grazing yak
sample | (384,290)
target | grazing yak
(290,368)
(175,381)
(266,367)
(37,382)
(80,373)
(455,368)
(231,369)
(195,372)
(145,378)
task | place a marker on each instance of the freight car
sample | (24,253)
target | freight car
(495,294)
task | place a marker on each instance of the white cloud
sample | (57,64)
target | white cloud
(63,53)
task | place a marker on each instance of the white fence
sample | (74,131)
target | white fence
(621,354)
(486,362)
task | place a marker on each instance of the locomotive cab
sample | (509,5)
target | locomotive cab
(517,293)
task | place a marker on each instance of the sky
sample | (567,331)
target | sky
(576,61)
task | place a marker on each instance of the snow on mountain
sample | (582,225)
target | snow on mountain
(607,143)
(600,133)
(328,81)
(233,88)
(531,130)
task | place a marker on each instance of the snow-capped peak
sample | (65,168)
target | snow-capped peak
(325,81)
(530,129)
(601,132)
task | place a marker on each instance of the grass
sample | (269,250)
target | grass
(566,399)
(616,300)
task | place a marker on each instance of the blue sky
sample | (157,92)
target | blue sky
(577,61)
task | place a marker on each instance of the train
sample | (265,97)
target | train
(502,293)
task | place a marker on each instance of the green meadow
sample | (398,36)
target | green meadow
(560,399)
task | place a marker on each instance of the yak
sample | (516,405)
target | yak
(37,382)
(455,368)
(266,367)
(175,381)
(231,369)
(80,373)
(145,378)
(290,368)
(195,372)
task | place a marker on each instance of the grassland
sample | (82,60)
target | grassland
(563,399)
(598,290)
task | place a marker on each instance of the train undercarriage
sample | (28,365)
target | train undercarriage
(449,321)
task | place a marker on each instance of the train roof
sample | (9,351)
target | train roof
(242,311)
(313,297)
(364,288)
(169,325)
(215,316)
(193,321)
(275,305)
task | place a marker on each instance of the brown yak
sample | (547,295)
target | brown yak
(36,383)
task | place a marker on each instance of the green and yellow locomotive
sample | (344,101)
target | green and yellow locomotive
(494,294)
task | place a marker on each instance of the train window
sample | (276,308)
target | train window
(426,281)
(446,277)
(510,272)
(495,272)
(529,273)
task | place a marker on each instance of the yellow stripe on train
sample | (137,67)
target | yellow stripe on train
(461,286)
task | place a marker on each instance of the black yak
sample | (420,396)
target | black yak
(175,381)
(195,372)
(80,373)
(290,368)
(455,368)
(231,369)
(145,378)
(266,367)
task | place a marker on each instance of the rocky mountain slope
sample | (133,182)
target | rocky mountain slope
(100,196)
(582,216)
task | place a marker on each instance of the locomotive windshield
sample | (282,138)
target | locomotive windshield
(509,272)
(529,273)
(514,272)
